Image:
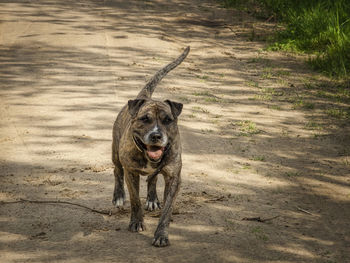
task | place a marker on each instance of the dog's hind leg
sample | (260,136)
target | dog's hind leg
(152,202)
(119,192)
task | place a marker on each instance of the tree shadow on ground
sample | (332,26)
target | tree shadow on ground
(269,171)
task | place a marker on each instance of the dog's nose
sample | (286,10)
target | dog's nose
(155,136)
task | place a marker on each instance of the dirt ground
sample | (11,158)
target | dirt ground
(263,136)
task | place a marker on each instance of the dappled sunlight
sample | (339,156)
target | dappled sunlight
(254,147)
(337,191)
(317,240)
(295,250)
(205,229)
(10,237)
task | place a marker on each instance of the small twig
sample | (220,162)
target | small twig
(220,198)
(103,212)
(227,26)
(259,219)
(305,211)
(269,19)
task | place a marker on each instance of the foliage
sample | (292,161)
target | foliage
(318,27)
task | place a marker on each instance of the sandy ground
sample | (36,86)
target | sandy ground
(261,137)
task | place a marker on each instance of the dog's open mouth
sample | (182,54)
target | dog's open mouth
(154,152)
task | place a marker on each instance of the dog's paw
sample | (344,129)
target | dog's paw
(119,202)
(152,205)
(137,226)
(118,198)
(161,240)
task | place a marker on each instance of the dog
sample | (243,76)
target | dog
(146,142)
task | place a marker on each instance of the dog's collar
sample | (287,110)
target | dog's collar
(138,146)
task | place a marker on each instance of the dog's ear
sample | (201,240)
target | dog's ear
(175,107)
(134,106)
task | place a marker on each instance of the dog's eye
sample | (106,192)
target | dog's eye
(145,119)
(167,120)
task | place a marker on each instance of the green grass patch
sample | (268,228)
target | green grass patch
(265,94)
(346,162)
(260,158)
(184,99)
(302,104)
(317,27)
(200,109)
(211,99)
(275,107)
(202,77)
(208,97)
(248,128)
(339,113)
(259,233)
(313,126)
(337,94)
(292,174)
(267,73)
(203,93)
(253,84)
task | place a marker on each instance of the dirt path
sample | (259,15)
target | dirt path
(260,137)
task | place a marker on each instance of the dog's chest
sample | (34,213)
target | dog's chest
(147,169)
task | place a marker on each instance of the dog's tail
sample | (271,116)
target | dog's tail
(148,89)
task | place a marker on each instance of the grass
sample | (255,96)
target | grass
(259,233)
(266,94)
(253,84)
(275,107)
(260,158)
(211,99)
(346,162)
(292,174)
(267,73)
(207,96)
(202,77)
(184,99)
(246,166)
(313,126)
(248,128)
(259,60)
(282,73)
(302,104)
(318,27)
(339,113)
(339,94)
(200,109)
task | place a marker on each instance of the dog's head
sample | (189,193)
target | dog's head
(154,125)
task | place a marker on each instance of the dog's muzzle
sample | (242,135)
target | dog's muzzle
(154,153)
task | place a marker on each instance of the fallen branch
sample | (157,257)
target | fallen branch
(103,212)
(305,211)
(270,18)
(227,26)
(220,198)
(259,219)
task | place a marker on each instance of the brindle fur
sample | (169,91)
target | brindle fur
(130,161)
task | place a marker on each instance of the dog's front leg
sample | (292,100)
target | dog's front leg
(119,193)
(136,220)
(152,202)
(172,184)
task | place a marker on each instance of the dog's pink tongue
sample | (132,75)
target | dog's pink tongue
(155,152)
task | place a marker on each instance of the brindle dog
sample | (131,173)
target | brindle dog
(146,141)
